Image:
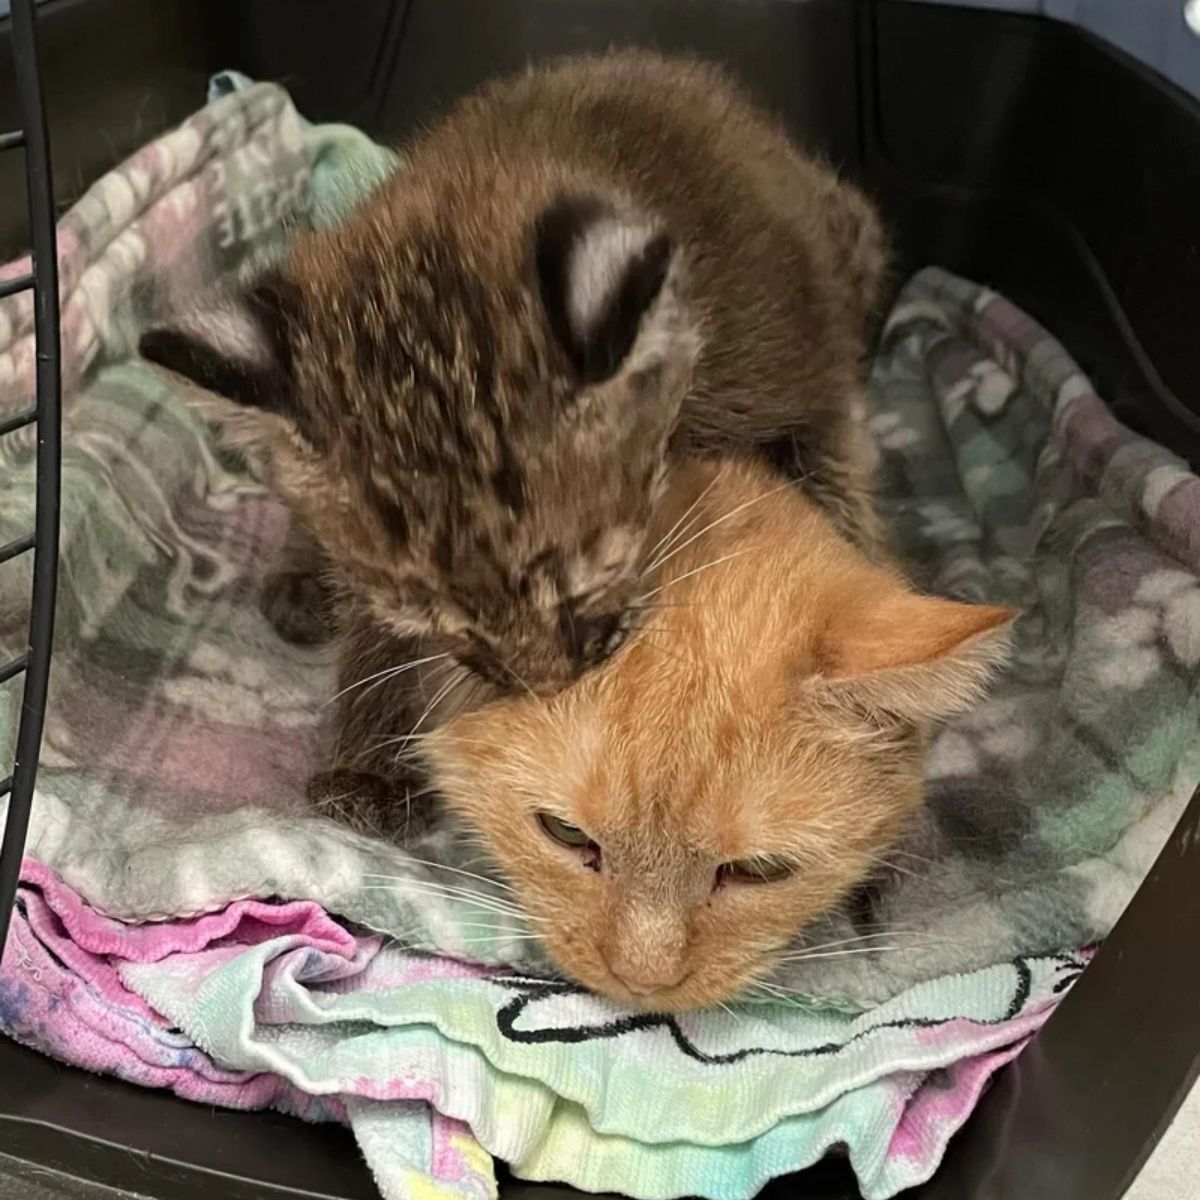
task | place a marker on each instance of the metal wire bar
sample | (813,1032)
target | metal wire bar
(18,421)
(14,666)
(15,547)
(21,283)
(40,197)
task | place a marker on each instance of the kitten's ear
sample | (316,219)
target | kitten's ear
(916,657)
(607,277)
(238,347)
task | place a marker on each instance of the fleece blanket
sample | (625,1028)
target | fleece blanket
(180,727)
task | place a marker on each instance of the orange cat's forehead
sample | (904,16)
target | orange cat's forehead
(674,753)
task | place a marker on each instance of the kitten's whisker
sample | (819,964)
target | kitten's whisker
(517,677)
(384,675)
(664,541)
(394,741)
(461,741)
(420,666)
(660,604)
(733,512)
(438,697)
(569,609)
(429,791)
(716,562)
(667,540)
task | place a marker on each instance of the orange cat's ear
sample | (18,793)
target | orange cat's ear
(918,657)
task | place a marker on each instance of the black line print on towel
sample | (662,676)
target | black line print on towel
(516,1020)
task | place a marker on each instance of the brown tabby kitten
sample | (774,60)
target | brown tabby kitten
(471,387)
(674,819)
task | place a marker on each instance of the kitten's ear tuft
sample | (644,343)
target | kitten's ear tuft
(602,273)
(238,347)
(920,658)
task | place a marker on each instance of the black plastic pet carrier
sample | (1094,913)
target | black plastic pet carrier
(1008,148)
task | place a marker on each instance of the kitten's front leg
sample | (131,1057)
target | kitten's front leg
(297,597)
(373,782)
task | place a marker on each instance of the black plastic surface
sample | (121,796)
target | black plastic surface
(1016,151)
(332,58)
(147,1141)
(1038,159)
(798,56)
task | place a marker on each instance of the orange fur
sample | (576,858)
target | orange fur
(774,706)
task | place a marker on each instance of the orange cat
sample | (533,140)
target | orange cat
(674,819)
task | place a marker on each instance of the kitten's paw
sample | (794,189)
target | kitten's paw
(297,605)
(382,807)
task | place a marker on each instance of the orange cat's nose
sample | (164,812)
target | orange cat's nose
(646,978)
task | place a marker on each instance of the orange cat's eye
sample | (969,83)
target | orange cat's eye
(564,832)
(754,870)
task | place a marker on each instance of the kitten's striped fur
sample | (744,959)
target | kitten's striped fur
(472,387)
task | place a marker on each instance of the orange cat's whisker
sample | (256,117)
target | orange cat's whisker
(433,888)
(461,892)
(443,867)
(810,957)
(760,988)
(502,930)
(862,937)
(887,864)
(726,1009)
(791,997)
(494,939)
(493,904)
(917,857)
